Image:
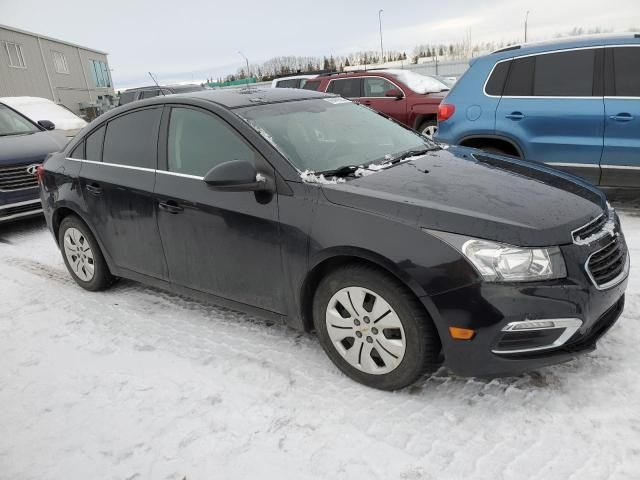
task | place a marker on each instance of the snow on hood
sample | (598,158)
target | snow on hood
(418,83)
(36,109)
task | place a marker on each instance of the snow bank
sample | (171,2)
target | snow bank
(418,83)
(36,109)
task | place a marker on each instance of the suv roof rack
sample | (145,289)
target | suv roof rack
(507,49)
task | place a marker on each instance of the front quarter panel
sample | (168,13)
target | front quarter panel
(424,263)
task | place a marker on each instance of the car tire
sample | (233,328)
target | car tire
(391,352)
(82,255)
(428,128)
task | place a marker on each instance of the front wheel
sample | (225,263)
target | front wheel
(373,328)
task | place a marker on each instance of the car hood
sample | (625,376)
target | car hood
(469,192)
(30,148)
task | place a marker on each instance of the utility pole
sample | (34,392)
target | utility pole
(246,60)
(526,21)
(380,23)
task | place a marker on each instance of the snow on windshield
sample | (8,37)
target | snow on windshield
(418,83)
(36,109)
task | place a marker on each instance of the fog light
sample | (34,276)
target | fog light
(462,333)
(538,324)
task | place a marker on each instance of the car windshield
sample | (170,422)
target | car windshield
(329,133)
(12,123)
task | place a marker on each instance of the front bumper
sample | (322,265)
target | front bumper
(19,210)
(577,314)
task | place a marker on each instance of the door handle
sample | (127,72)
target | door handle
(515,116)
(622,117)
(171,207)
(94,189)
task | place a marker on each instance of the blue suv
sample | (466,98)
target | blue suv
(573,104)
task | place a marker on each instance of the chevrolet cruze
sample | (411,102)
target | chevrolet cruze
(401,255)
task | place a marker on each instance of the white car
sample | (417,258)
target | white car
(296,81)
(36,109)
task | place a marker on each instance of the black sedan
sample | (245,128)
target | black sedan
(294,204)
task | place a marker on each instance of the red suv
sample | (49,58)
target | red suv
(406,96)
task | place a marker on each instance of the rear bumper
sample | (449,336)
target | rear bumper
(489,309)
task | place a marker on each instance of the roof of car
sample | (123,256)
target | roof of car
(566,43)
(246,96)
(170,87)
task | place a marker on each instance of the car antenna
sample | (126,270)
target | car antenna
(156,82)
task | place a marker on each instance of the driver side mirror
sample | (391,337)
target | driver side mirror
(394,92)
(238,176)
(47,124)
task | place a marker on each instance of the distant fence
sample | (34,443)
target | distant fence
(445,69)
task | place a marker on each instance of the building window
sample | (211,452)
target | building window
(100,73)
(60,62)
(14,52)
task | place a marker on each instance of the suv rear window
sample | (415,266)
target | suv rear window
(127,97)
(495,84)
(291,83)
(347,87)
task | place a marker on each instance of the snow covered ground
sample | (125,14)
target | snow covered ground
(136,383)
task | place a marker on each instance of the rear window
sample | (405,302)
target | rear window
(626,65)
(127,97)
(291,83)
(94,145)
(348,87)
(495,84)
(311,85)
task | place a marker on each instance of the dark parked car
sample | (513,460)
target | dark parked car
(573,104)
(133,94)
(305,206)
(23,145)
(408,97)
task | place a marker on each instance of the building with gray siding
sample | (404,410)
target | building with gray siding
(39,66)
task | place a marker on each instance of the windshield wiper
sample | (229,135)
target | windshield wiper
(343,171)
(412,153)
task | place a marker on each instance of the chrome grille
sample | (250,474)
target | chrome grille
(16,178)
(607,265)
(594,226)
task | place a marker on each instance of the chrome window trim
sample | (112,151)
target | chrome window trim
(570,325)
(616,281)
(143,169)
(593,47)
(620,167)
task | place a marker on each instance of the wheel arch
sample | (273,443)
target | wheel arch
(477,141)
(423,117)
(63,212)
(333,258)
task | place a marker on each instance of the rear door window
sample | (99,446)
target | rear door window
(348,87)
(520,81)
(132,139)
(564,74)
(626,66)
(199,141)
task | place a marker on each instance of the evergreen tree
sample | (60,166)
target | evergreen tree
(346,62)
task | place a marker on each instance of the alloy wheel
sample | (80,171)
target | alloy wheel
(79,254)
(365,330)
(429,131)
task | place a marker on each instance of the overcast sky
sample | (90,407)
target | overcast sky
(185,40)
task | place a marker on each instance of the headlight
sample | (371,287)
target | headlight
(497,262)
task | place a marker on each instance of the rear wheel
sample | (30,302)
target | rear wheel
(82,255)
(428,128)
(373,328)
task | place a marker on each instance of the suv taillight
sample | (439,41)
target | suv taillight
(445,111)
